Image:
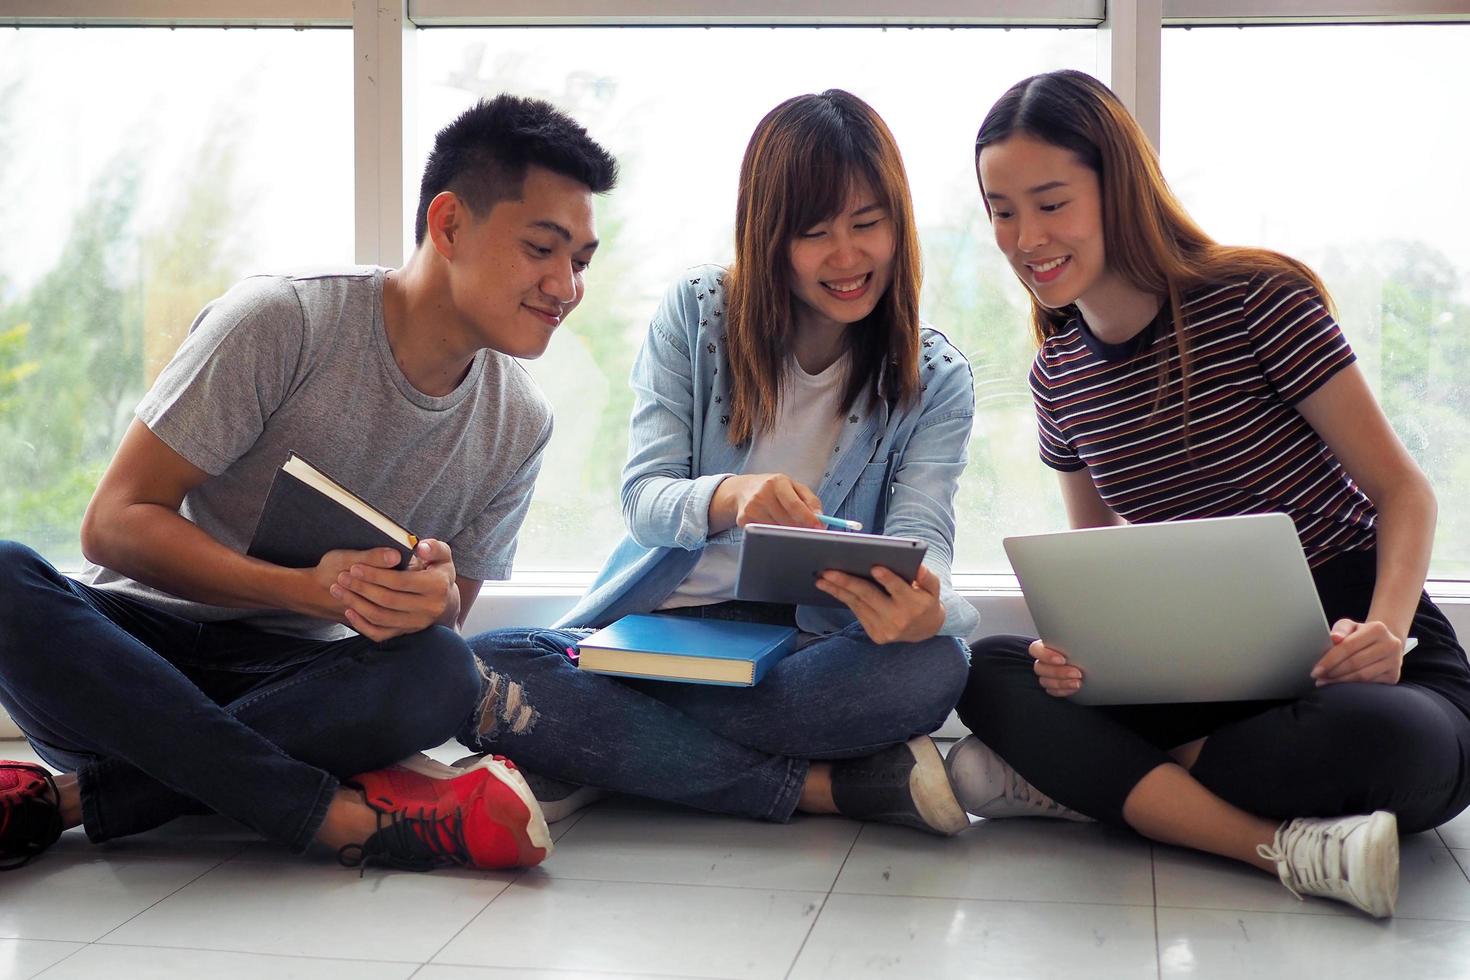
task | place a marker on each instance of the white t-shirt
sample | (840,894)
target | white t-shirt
(800,445)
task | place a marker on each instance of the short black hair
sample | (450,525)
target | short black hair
(482,156)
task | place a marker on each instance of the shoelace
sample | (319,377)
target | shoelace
(44,822)
(410,843)
(1020,791)
(1302,863)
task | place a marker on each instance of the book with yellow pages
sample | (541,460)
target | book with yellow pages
(308,514)
(675,648)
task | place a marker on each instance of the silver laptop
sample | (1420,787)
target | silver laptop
(1209,610)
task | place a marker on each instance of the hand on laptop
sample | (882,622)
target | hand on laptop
(1367,653)
(1059,678)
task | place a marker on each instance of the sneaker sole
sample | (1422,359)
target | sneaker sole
(554,811)
(531,834)
(933,795)
(1383,835)
(951,762)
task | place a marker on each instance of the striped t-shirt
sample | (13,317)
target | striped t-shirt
(1257,347)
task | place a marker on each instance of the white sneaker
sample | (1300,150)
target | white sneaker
(988,787)
(1352,859)
(558,799)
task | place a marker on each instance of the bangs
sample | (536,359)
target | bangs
(822,180)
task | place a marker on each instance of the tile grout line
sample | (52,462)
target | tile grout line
(1324,916)
(215,867)
(1456,858)
(1007,899)
(1153,877)
(256,952)
(445,945)
(510,884)
(47,969)
(828,897)
(92,942)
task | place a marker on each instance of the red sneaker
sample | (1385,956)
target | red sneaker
(30,812)
(431,815)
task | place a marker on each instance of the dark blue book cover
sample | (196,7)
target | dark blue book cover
(675,648)
(307,513)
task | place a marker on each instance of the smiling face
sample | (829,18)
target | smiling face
(516,272)
(841,267)
(1046,212)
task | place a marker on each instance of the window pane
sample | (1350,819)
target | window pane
(676,106)
(143,171)
(1342,146)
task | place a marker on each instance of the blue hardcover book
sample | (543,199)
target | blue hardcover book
(673,648)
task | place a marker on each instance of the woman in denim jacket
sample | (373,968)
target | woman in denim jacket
(805,365)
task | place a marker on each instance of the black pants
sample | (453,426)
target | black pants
(1343,749)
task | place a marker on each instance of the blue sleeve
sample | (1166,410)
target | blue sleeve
(665,499)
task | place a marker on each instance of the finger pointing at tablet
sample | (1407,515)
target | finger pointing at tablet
(763,498)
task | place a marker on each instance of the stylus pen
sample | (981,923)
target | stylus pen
(841,523)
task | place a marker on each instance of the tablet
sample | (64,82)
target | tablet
(781,564)
(1222,609)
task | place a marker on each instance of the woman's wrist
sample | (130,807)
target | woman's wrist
(724,505)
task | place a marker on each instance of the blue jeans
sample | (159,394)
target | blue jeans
(161,716)
(739,750)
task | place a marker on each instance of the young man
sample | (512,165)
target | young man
(181,676)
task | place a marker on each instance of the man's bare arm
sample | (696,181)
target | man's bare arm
(133,526)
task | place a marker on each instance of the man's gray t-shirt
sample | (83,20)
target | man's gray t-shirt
(284,364)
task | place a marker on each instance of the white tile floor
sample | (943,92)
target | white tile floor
(638,890)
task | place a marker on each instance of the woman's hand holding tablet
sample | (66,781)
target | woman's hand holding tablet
(782,564)
(892,609)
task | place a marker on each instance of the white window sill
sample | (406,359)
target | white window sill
(539,598)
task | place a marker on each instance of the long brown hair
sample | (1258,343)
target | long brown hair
(1149,240)
(800,166)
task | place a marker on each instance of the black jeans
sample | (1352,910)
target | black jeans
(162,716)
(1343,749)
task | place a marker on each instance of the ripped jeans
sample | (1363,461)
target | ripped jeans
(737,750)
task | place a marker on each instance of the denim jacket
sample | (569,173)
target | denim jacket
(896,468)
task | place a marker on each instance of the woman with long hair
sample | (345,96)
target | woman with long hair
(798,381)
(1178,378)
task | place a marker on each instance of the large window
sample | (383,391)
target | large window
(1341,146)
(144,169)
(141,173)
(677,105)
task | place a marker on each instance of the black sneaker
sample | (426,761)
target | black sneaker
(906,785)
(558,799)
(30,813)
